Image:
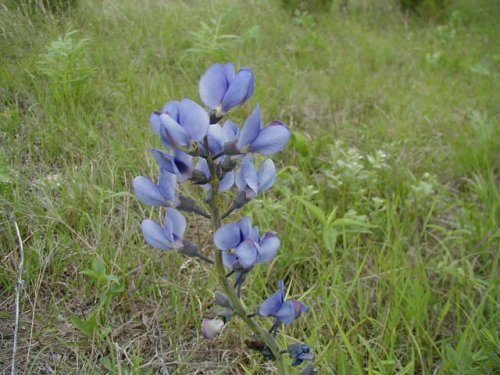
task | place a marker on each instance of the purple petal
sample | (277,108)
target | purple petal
(172,109)
(148,192)
(178,223)
(227,182)
(268,247)
(213,85)
(286,313)
(155,122)
(229,72)
(227,236)
(194,119)
(175,133)
(247,253)
(266,175)
(271,305)
(164,159)
(251,128)
(216,138)
(183,163)
(229,259)
(299,308)
(167,185)
(240,89)
(248,175)
(245,228)
(155,236)
(271,139)
(231,131)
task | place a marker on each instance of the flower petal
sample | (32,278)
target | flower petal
(248,175)
(240,89)
(155,122)
(229,259)
(148,192)
(268,247)
(216,138)
(228,236)
(266,175)
(178,223)
(194,119)
(172,109)
(167,185)
(155,236)
(251,128)
(271,139)
(227,182)
(164,159)
(174,133)
(286,313)
(271,305)
(213,85)
(202,166)
(247,253)
(231,131)
(183,163)
(245,228)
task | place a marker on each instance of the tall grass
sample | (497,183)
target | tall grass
(388,199)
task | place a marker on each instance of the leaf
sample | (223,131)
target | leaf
(314,210)
(353,226)
(88,327)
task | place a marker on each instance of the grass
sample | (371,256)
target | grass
(387,201)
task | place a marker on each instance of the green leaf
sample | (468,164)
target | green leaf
(314,210)
(88,327)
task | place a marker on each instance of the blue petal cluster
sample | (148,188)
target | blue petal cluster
(284,311)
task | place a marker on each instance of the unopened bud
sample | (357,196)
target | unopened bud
(199,177)
(241,200)
(231,149)
(222,300)
(210,328)
(228,165)
(190,249)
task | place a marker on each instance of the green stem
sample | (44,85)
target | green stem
(215,221)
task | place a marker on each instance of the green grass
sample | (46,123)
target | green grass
(387,200)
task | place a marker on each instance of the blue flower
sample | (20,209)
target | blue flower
(300,353)
(284,311)
(253,182)
(242,247)
(170,235)
(179,163)
(254,137)
(161,194)
(180,124)
(221,89)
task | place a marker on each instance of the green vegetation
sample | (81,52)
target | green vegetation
(388,203)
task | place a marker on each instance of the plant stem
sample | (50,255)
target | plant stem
(215,221)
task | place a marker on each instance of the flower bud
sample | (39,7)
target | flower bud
(222,300)
(199,177)
(210,328)
(190,249)
(228,165)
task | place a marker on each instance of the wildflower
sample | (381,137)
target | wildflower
(242,247)
(225,183)
(284,311)
(221,89)
(253,182)
(300,353)
(254,137)
(180,124)
(161,194)
(170,235)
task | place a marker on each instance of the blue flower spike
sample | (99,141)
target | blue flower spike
(284,311)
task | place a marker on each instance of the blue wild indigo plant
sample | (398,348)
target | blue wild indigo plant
(217,155)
